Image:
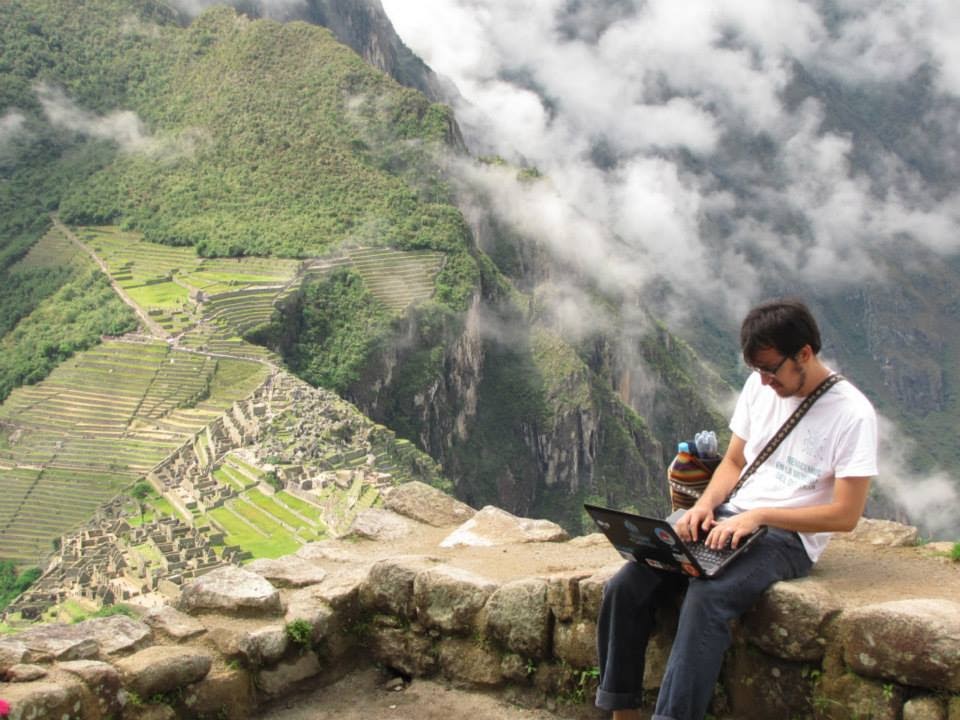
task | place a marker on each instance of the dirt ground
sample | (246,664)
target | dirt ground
(362,695)
(856,573)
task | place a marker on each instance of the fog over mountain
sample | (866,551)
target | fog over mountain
(738,149)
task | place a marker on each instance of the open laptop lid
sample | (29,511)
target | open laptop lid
(654,542)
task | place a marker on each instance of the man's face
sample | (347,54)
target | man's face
(783,374)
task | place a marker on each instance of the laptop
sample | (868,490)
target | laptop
(654,542)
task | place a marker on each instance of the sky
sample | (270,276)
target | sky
(677,135)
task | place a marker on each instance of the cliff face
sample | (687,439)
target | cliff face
(364,26)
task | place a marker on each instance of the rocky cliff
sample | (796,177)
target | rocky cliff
(496,602)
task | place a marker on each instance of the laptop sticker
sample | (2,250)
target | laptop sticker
(690,570)
(664,537)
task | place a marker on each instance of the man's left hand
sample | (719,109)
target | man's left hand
(732,530)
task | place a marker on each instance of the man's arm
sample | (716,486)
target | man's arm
(839,515)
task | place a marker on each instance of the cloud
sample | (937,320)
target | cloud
(122,127)
(687,130)
(929,500)
(280,10)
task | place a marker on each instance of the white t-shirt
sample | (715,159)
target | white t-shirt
(836,438)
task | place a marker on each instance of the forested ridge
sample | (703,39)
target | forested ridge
(236,137)
(209,136)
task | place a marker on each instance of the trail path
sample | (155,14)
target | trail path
(155,328)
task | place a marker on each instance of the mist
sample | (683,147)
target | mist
(280,10)
(697,142)
(637,113)
(122,127)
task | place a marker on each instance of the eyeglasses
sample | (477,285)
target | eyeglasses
(771,372)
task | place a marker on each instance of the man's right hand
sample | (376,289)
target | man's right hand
(695,523)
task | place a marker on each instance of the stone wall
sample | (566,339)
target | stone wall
(514,610)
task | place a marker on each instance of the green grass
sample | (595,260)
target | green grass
(159,295)
(308,510)
(272,507)
(241,535)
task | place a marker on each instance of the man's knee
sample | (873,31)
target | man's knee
(631,579)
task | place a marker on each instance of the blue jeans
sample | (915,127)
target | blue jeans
(631,599)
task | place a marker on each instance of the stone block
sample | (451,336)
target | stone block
(760,685)
(426,504)
(847,696)
(469,662)
(56,642)
(286,572)
(224,693)
(517,615)
(925,708)
(381,525)
(256,646)
(402,649)
(62,698)
(305,605)
(790,620)
(388,586)
(25,673)
(287,675)
(231,590)
(162,669)
(103,683)
(12,652)
(591,591)
(450,599)
(116,635)
(914,642)
(576,643)
(884,533)
(493,526)
(563,594)
(173,624)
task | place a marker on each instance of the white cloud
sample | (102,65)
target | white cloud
(274,9)
(122,127)
(931,499)
(634,84)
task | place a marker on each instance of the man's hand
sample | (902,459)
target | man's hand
(730,531)
(695,523)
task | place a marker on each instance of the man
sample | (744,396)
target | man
(813,484)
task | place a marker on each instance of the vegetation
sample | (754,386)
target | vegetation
(72,319)
(14,581)
(341,325)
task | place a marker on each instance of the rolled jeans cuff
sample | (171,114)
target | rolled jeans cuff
(617,701)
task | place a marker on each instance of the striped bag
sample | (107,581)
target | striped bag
(688,477)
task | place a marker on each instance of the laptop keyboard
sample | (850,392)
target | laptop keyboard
(707,557)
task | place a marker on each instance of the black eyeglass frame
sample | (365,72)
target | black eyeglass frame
(768,372)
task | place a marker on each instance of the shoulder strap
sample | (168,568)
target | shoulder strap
(785,429)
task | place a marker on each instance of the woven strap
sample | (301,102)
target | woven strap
(785,429)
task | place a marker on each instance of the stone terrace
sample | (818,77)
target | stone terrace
(873,633)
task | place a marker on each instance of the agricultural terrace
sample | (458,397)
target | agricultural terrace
(52,250)
(397,278)
(168,282)
(96,424)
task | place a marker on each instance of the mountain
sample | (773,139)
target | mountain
(169,149)
(232,137)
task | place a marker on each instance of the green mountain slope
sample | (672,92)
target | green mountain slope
(186,146)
